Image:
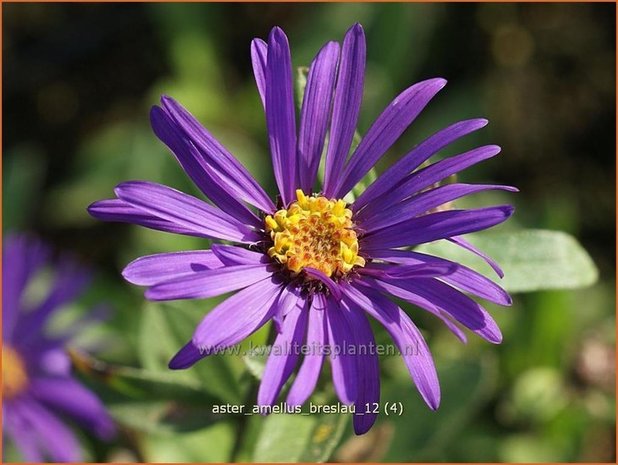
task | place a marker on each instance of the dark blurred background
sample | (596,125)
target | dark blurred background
(78,81)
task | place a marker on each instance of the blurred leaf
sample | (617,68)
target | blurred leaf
(211,444)
(529,448)
(24,169)
(301,82)
(422,434)
(256,361)
(299,438)
(538,394)
(138,383)
(162,418)
(532,259)
(165,329)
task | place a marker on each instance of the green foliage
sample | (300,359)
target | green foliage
(532,259)
(299,438)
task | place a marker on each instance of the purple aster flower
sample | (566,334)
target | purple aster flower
(39,391)
(312,263)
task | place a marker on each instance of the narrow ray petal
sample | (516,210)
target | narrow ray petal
(122,212)
(209,283)
(280,114)
(436,226)
(184,210)
(343,364)
(407,338)
(71,398)
(153,269)
(367,368)
(393,121)
(411,161)
(234,255)
(461,307)
(237,317)
(460,241)
(228,168)
(462,277)
(423,203)
(346,106)
(284,355)
(259,54)
(309,372)
(197,168)
(315,112)
(428,176)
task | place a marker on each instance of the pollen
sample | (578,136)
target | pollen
(314,232)
(14,375)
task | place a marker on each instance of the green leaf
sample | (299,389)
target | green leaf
(301,83)
(162,418)
(165,329)
(421,434)
(211,444)
(141,384)
(299,438)
(256,361)
(532,259)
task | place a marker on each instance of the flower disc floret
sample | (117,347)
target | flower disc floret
(314,232)
(13,373)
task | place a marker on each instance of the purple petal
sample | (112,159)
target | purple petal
(72,399)
(423,203)
(229,170)
(309,371)
(461,307)
(460,241)
(346,107)
(424,270)
(289,298)
(259,54)
(393,121)
(407,338)
(233,255)
(422,152)
(153,269)
(209,283)
(71,280)
(184,210)
(280,114)
(52,435)
(122,212)
(332,286)
(196,166)
(284,355)
(343,364)
(237,317)
(186,357)
(368,370)
(20,433)
(436,226)
(315,113)
(462,277)
(24,256)
(430,175)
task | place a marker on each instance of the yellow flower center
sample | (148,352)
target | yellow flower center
(314,232)
(14,375)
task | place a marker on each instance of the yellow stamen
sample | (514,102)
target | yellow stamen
(314,232)
(14,375)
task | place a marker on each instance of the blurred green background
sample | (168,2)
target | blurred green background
(78,81)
